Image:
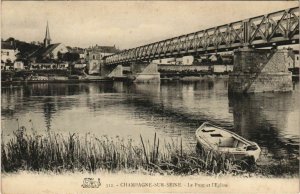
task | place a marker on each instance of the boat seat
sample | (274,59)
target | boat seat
(210,130)
(216,135)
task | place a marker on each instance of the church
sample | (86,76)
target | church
(48,52)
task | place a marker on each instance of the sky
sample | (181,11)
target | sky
(126,24)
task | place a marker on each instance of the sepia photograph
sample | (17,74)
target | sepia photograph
(150,97)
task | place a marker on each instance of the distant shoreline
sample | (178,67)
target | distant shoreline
(56,81)
(184,78)
(164,77)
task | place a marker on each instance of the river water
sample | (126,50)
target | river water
(173,110)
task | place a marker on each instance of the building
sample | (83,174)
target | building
(48,52)
(167,61)
(293,61)
(98,52)
(186,60)
(293,58)
(40,66)
(43,66)
(18,65)
(79,51)
(94,57)
(202,60)
(296,59)
(79,65)
(222,68)
(8,52)
(227,59)
(213,58)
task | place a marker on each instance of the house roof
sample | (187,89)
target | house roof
(44,51)
(7,45)
(104,49)
(76,50)
(109,49)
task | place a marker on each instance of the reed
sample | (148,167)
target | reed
(55,152)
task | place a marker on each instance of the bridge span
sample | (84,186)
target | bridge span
(272,29)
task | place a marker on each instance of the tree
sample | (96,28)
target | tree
(8,61)
(71,57)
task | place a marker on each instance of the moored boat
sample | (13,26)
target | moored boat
(211,137)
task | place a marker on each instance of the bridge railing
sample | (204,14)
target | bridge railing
(277,28)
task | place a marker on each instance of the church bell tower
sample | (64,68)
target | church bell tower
(47,39)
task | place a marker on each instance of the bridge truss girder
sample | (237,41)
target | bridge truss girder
(277,28)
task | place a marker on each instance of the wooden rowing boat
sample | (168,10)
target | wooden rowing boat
(215,138)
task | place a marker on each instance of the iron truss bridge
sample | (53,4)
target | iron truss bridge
(273,29)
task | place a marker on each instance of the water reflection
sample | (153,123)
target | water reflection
(49,109)
(171,109)
(265,118)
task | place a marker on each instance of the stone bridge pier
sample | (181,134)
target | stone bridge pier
(145,72)
(110,71)
(140,72)
(260,70)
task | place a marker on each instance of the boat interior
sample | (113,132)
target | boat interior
(221,138)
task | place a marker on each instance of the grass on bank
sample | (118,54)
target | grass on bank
(52,151)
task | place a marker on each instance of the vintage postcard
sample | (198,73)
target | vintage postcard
(150,97)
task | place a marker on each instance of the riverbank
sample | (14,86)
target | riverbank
(125,182)
(192,78)
(55,152)
(60,153)
(56,81)
(189,78)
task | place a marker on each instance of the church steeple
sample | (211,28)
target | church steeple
(47,39)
